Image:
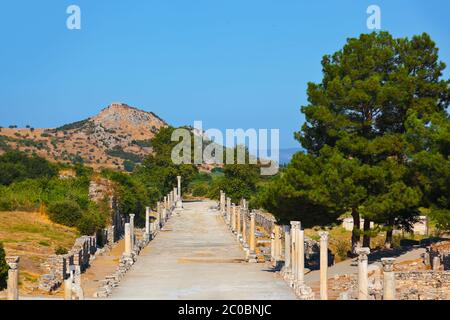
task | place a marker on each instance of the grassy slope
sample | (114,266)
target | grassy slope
(33,238)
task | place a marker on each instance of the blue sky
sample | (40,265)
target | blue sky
(232,64)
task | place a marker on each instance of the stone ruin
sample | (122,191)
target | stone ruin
(58,267)
(425,279)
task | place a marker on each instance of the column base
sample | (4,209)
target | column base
(304,292)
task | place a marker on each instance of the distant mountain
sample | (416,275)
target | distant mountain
(118,133)
(286,154)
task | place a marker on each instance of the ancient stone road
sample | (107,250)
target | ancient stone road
(195,256)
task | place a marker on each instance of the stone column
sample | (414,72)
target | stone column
(277,243)
(244,226)
(287,249)
(165,203)
(147,221)
(132,229)
(179,186)
(323,265)
(233,217)
(179,203)
(68,288)
(222,202)
(388,278)
(252,232)
(300,242)
(13,278)
(295,227)
(228,211)
(238,222)
(128,247)
(272,246)
(363,281)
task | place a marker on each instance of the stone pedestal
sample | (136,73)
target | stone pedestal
(388,278)
(13,278)
(363,281)
(323,265)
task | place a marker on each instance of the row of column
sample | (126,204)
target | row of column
(241,222)
(294,262)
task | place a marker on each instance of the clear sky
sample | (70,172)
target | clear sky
(230,63)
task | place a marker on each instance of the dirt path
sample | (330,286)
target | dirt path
(197,257)
(101,267)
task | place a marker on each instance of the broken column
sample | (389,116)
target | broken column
(147,223)
(233,217)
(132,229)
(179,202)
(388,278)
(228,211)
(323,265)
(244,227)
(295,226)
(300,243)
(222,202)
(128,247)
(287,250)
(277,243)
(252,240)
(363,281)
(13,278)
(238,222)
(68,288)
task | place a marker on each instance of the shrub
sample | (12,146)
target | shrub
(3,268)
(343,247)
(200,189)
(90,222)
(66,212)
(61,250)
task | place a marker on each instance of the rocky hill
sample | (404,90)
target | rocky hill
(117,134)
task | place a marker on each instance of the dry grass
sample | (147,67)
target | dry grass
(32,237)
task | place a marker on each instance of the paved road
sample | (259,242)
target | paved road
(197,257)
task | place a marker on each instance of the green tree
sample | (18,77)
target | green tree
(358,116)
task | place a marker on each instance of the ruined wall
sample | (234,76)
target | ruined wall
(58,267)
(423,285)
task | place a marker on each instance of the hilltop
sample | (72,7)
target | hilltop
(117,133)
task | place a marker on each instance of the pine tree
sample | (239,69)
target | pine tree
(357,136)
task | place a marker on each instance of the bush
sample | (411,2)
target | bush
(200,189)
(61,250)
(66,212)
(3,268)
(343,247)
(90,222)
